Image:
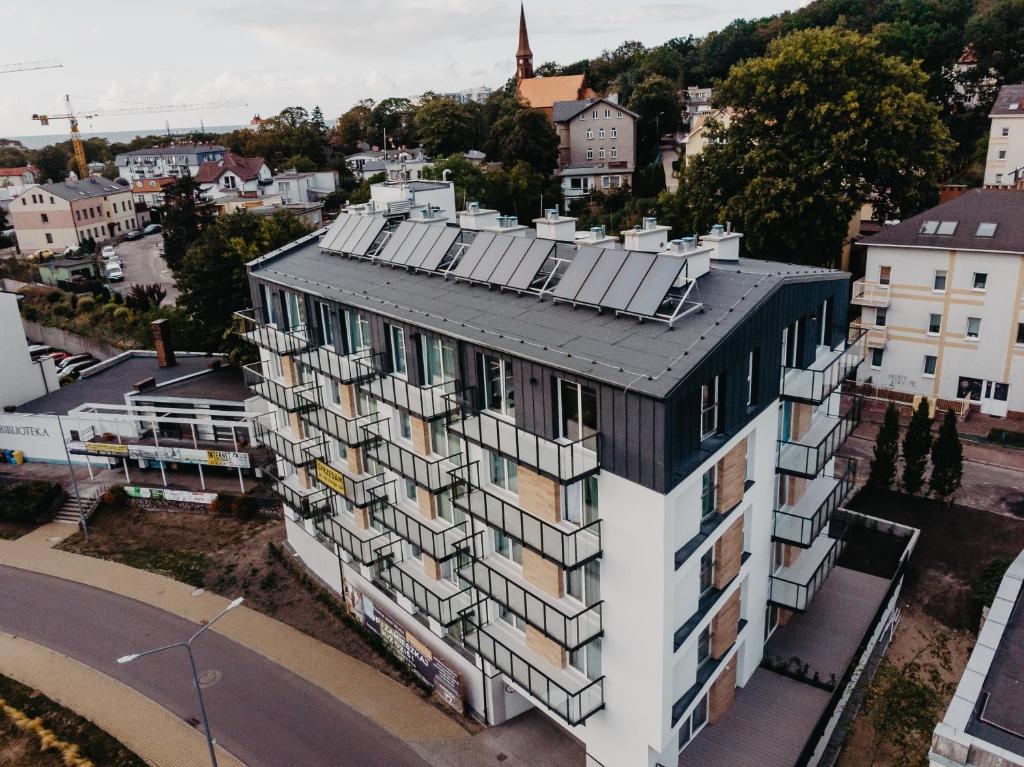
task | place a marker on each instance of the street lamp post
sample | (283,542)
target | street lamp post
(74,481)
(195,673)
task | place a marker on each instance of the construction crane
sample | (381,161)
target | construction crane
(76,139)
(24,66)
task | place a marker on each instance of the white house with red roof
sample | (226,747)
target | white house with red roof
(234,176)
(21,176)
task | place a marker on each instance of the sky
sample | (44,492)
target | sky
(273,53)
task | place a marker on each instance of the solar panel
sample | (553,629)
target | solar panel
(424,246)
(500,246)
(627,281)
(656,284)
(532,261)
(507,265)
(364,242)
(577,272)
(473,254)
(345,245)
(409,244)
(396,240)
(340,229)
(601,277)
(440,248)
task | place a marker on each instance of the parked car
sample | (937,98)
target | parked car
(58,357)
(72,360)
(38,350)
(153,229)
(74,370)
(108,251)
(134,234)
(74,254)
(115,274)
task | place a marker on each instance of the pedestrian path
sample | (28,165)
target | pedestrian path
(158,737)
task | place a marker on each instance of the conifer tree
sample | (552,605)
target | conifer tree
(916,444)
(887,448)
(947,460)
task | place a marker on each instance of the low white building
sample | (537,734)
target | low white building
(297,187)
(22,378)
(941,300)
(1004,163)
(437,198)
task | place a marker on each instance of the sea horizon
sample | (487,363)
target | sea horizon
(122,136)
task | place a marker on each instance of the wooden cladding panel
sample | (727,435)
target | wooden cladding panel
(549,650)
(425,502)
(539,495)
(348,399)
(728,555)
(722,693)
(355,460)
(362,515)
(543,573)
(802,415)
(432,567)
(420,435)
(725,626)
(732,477)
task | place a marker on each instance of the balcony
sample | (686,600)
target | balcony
(427,402)
(565,692)
(339,367)
(365,546)
(567,544)
(870,294)
(801,522)
(361,490)
(351,431)
(257,377)
(286,445)
(248,325)
(831,367)
(306,502)
(561,460)
(873,336)
(441,599)
(563,620)
(806,456)
(435,537)
(432,473)
(794,587)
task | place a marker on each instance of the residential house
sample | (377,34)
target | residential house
(175,160)
(149,192)
(542,92)
(696,101)
(1004,163)
(697,139)
(943,302)
(62,215)
(597,482)
(395,164)
(297,187)
(23,176)
(58,270)
(234,176)
(425,199)
(596,145)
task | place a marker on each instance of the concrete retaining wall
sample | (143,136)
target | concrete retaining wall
(68,341)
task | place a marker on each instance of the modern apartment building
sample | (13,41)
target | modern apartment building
(592,481)
(58,216)
(175,160)
(942,302)
(1004,163)
(596,145)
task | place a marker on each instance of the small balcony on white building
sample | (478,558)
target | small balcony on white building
(870,294)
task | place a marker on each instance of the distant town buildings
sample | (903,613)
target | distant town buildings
(596,149)
(62,215)
(478,95)
(1004,164)
(175,160)
(18,176)
(542,92)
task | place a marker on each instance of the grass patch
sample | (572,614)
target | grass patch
(186,566)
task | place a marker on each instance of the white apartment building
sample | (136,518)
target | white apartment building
(62,215)
(1004,163)
(297,187)
(175,160)
(942,302)
(22,378)
(594,481)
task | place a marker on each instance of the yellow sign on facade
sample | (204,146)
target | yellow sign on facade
(106,448)
(330,476)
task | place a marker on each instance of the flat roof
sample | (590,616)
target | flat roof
(111,379)
(650,357)
(224,384)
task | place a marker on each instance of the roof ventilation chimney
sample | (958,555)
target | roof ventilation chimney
(474,218)
(650,222)
(649,237)
(554,226)
(472,207)
(724,245)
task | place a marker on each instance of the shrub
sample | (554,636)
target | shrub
(110,308)
(86,304)
(985,586)
(62,310)
(30,313)
(54,296)
(116,297)
(246,507)
(26,502)
(224,503)
(118,495)
(122,313)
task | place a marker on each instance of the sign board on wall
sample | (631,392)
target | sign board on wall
(330,476)
(167,494)
(166,454)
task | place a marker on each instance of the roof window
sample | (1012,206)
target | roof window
(947,227)
(986,229)
(938,227)
(929,227)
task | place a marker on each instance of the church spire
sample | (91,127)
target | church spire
(524,56)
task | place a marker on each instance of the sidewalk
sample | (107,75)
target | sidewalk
(147,728)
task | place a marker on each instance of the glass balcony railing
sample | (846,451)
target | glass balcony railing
(306,502)
(338,367)
(433,473)
(441,599)
(567,544)
(436,538)
(832,366)
(360,490)
(258,378)
(807,455)
(559,619)
(249,326)
(563,460)
(794,587)
(800,523)
(365,546)
(298,452)
(427,402)
(572,697)
(351,431)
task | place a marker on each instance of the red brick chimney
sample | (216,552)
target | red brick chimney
(161,330)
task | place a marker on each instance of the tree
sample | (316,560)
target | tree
(317,118)
(471,183)
(53,163)
(656,100)
(299,162)
(887,447)
(947,460)
(185,215)
(445,126)
(821,123)
(393,116)
(525,134)
(916,444)
(355,125)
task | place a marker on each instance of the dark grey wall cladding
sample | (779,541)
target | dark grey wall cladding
(653,442)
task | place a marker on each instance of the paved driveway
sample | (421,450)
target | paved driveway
(260,712)
(144,265)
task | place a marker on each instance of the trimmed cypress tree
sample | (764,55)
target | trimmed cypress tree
(887,449)
(947,460)
(917,442)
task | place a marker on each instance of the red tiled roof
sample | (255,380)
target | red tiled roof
(14,171)
(246,168)
(147,185)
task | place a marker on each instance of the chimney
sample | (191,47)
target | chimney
(161,331)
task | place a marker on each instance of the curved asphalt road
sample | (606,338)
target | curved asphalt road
(263,714)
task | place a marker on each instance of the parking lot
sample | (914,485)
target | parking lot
(143,264)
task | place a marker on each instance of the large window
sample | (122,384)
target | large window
(708,493)
(358,329)
(587,659)
(269,310)
(709,408)
(579,502)
(973,327)
(704,646)
(934,323)
(448,511)
(438,360)
(929,365)
(499,394)
(502,472)
(980,281)
(584,583)
(707,571)
(442,441)
(296,309)
(939,283)
(325,329)
(577,410)
(508,547)
(396,344)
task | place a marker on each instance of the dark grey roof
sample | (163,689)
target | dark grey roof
(224,384)
(566,110)
(648,356)
(78,190)
(1009,101)
(1003,207)
(159,151)
(108,384)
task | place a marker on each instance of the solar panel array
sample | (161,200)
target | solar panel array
(632,282)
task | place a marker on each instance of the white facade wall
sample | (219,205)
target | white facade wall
(22,378)
(1005,152)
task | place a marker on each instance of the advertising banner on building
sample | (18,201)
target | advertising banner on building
(167,494)
(330,476)
(167,454)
